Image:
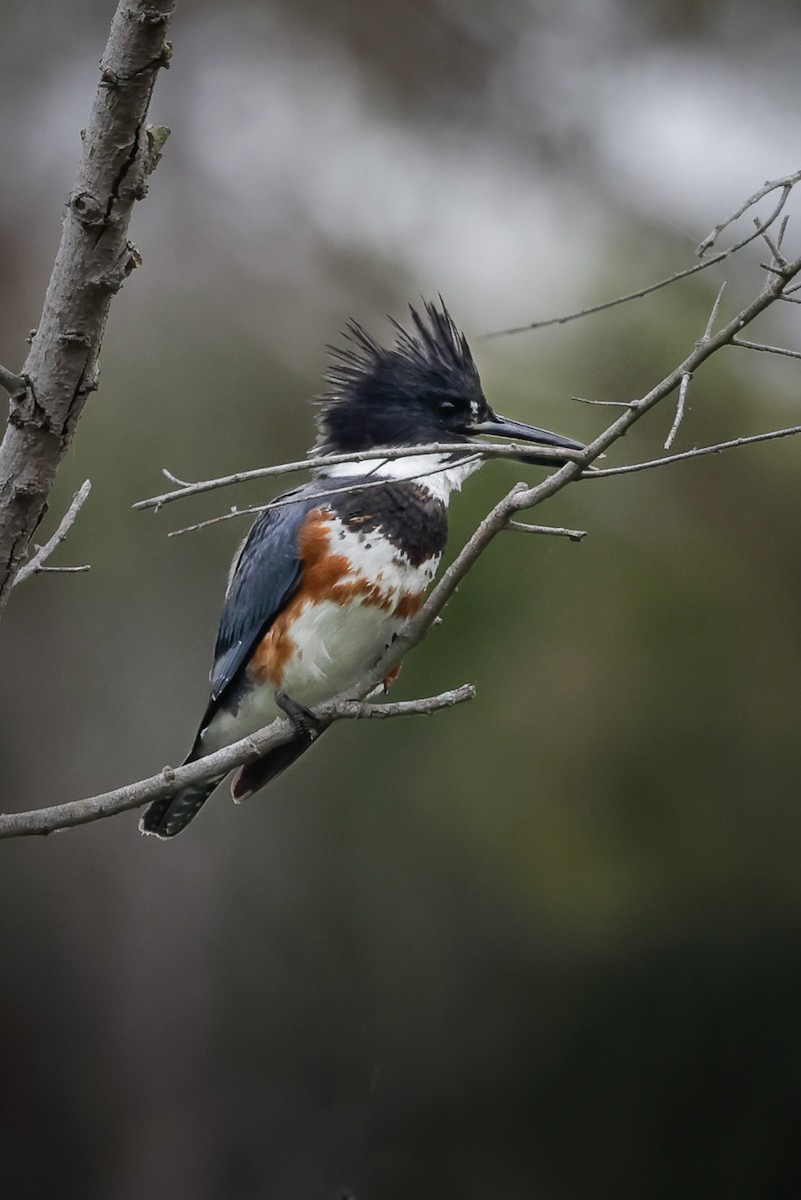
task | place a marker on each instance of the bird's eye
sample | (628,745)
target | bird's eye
(446,408)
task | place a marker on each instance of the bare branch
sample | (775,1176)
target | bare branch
(523,497)
(602,403)
(765,349)
(361,485)
(44,552)
(679,417)
(686,273)
(94,258)
(772,269)
(713,315)
(786,183)
(171,779)
(65,570)
(591,309)
(575,535)
(181,483)
(686,379)
(631,468)
(514,450)
(779,262)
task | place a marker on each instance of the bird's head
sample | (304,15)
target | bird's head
(423,388)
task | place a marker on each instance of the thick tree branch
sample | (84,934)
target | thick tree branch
(172,779)
(119,152)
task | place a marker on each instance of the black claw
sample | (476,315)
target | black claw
(303,719)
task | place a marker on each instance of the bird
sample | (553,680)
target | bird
(331,572)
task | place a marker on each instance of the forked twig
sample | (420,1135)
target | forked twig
(43,553)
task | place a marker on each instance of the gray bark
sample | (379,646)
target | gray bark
(94,257)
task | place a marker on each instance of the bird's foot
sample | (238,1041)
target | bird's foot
(305,723)
(390,678)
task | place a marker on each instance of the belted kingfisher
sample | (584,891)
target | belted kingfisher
(330,574)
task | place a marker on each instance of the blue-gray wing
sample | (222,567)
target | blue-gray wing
(264,577)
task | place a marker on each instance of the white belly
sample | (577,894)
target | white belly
(334,645)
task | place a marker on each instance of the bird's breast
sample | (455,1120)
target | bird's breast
(356,591)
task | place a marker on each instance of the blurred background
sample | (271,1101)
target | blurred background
(546,945)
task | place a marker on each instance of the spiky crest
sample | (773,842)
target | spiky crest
(374,391)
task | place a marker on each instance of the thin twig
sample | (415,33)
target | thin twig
(602,403)
(686,273)
(679,417)
(66,524)
(781,350)
(181,483)
(713,315)
(285,501)
(575,535)
(772,269)
(171,779)
(529,497)
(686,379)
(64,570)
(514,450)
(779,261)
(631,468)
(786,183)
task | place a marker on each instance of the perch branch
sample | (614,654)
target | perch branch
(171,779)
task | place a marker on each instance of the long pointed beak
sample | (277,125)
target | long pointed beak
(518,431)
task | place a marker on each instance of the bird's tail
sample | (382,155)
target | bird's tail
(253,776)
(168,816)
